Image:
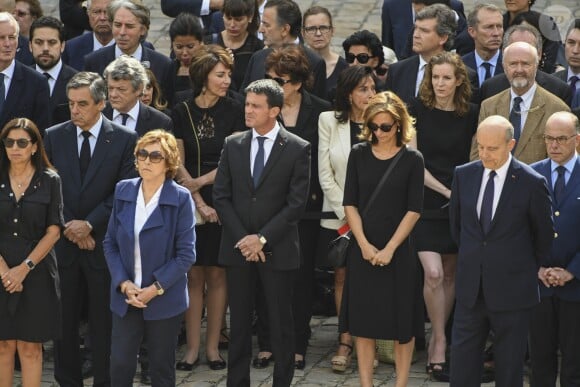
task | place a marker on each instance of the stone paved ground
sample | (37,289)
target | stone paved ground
(349,16)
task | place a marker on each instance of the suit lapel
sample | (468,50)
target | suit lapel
(344,138)
(101,150)
(246,142)
(573,181)
(531,126)
(141,119)
(504,102)
(303,114)
(13,96)
(277,148)
(509,187)
(474,184)
(71,145)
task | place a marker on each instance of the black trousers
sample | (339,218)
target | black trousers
(276,287)
(161,338)
(555,325)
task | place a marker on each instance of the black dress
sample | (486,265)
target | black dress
(34,314)
(212,126)
(444,139)
(382,302)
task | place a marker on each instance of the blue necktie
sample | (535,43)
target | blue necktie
(560,183)
(516,118)
(259,161)
(485,215)
(487,66)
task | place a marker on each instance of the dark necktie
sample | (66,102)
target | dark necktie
(560,183)
(85,156)
(47,75)
(486,213)
(487,66)
(2,92)
(573,81)
(259,161)
(516,118)
(124,117)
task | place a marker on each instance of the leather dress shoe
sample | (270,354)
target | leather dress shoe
(185,366)
(262,362)
(217,365)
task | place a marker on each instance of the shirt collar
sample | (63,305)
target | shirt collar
(422,62)
(9,71)
(569,164)
(133,113)
(493,60)
(501,171)
(272,134)
(95,129)
(137,54)
(97,45)
(54,71)
(527,97)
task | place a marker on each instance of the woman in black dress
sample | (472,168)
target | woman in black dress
(380,296)
(446,122)
(30,223)
(201,125)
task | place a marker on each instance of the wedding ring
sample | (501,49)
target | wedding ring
(8,282)
(381,264)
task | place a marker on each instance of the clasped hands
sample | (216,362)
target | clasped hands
(554,276)
(79,232)
(12,278)
(375,256)
(251,248)
(136,296)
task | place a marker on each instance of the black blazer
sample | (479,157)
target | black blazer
(28,96)
(257,69)
(554,85)
(273,208)
(149,119)
(562,74)
(91,199)
(59,109)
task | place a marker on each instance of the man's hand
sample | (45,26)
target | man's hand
(558,276)
(543,275)
(251,248)
(76,230)
(87,243)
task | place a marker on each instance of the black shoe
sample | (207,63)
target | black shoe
(87,368)
(440,372)
(226,339)
(145,378)
(300,364)
(262,362)
(488,375)
(185,366)
(217,365)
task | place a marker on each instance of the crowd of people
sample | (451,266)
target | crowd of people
(140,192)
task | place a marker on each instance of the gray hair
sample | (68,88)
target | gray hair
(473,17)
(6,17)
(268,87)
(446,23)
(95,83)
(129,69)
(141,12)
(523,28)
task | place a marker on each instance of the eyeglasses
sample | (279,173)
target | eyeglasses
(381,70)
(361,58)
(155,156)
(383,127)
(559,140)
(21,142)
(278,80)
(314,29)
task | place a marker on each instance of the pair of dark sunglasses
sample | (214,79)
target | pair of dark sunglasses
(278,80)
(381,71)
(21,142)
(155,156)
(361,58)
(383,127)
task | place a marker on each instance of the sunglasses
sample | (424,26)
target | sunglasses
(361,58)
(278,80)
(381,70)
(155,156)
(383,127)
(21,142)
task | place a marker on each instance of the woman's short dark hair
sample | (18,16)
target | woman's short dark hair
(389,102)
(38,158)
(348,80)
(367,39)
(186,24)
(203,62)
(290,60)
(462,92)
(315,10)
(237,8)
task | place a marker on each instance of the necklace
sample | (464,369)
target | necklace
(23,182)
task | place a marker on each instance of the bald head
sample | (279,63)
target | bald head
(562,137)
(494,141)
(520,63)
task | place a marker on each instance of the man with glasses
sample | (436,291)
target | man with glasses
(556,319)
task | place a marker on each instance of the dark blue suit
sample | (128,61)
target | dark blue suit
(556,320)
(91,200)
(496,279)
(148,119)
(469,61)
(59,110)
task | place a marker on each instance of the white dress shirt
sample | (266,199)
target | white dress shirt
(8,75)
(95,130)
(268,144)
(526,104)
(137,54)
(420,74)
(53,72)
(498,182)
(131,120)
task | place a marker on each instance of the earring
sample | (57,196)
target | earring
(33,153)
(399,130)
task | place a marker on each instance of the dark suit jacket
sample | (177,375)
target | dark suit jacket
(59,109)
(23,54)
(499,83)
(257,69)
(74,16)
(91,199)
(148,119)
(507,258)
(562,74)
(565,252)
(28,96)
(172,8)
(273,208)
(158,63)
(469,60)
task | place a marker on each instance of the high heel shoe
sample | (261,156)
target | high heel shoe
(340,363)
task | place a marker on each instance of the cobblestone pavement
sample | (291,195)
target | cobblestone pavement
(349,16)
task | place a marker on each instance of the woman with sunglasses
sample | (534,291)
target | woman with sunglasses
(365,48)
(30,223)
(382,297)
(446,122)
(149,247)
(201,125)
(318,31)
(337,132)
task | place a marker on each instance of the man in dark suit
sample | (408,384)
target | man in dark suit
(126,78)
(47,44)
(23,92)
(556,319)
(91,154)
(485,26)
(204,9)
(571,75)
(529,34)
(260,193)
(501,220)
(281,24)
(131,22)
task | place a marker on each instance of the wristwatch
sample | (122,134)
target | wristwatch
(262,239)
(31,265)
(159,288)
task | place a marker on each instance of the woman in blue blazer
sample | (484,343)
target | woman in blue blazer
(149,247)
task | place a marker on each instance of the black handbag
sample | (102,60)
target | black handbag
(338,248)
